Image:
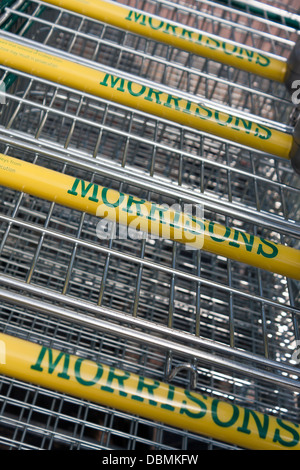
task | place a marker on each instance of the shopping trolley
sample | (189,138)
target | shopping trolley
(194,323)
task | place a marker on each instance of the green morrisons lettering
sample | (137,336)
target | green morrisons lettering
(136,16)
(172,27)
(218,239)
(170,398)
(227,50)
(193,405)
(240,123)
(261,251)
(53,364)
(177,216)
(120,378)
(248,240)
(263,60)
(151,92)
(187,108)
(226,122)
(212,43)
(113,82)
(111,204)
(82,188)
(173,102)
(263,132)
(140,92)
(160,210)
(87,383)
(261,427)
(181,105)
(150,386)
(134,206)
(189,34)
(196,400)
(199,222)
(152,24)
(158,24)
(250,55)
(208,112)
(138,202)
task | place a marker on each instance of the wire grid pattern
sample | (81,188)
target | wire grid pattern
(51,257)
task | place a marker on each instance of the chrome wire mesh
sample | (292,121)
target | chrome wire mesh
(232,327)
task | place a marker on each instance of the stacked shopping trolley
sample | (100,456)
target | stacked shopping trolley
(113,336)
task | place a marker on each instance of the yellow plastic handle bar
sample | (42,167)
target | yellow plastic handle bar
(141,97)
(149,217)
(182,37)
(149,398)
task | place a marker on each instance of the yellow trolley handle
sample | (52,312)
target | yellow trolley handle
(147,99)
(148,217)
(148,398)
(179,36)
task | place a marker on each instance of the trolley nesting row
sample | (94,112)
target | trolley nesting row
(163,316)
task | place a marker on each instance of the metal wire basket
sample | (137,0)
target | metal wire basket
(187,317)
